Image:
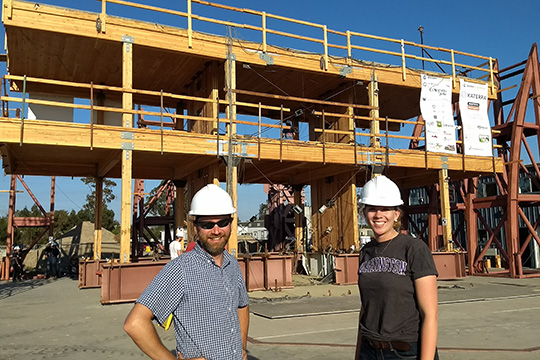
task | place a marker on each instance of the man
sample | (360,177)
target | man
(203,289)
(175,247)
(16,264)
(52,259)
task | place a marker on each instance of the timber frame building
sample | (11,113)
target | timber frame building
(159,102)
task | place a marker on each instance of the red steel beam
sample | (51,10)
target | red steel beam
(31,221)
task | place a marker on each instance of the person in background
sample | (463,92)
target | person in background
(16,264)
(175,247)
(53,254)
(397,280)
(203,289)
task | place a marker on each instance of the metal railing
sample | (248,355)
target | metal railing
(160,119)
(349,41)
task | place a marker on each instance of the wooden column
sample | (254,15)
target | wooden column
(98,218)
(127,147)
(9,241)
(298,223)
(232,176)
(446,219)
(354,209)
(373,91)
(51,207)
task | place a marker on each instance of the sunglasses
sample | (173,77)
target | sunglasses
(209,225)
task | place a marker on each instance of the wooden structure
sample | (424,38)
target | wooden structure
(220,109)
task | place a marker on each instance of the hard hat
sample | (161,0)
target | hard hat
(381,191)
(16,247)
(180,232)
(211,200)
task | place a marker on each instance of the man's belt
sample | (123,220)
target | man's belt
(394,344)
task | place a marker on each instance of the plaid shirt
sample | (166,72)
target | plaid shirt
(204,299)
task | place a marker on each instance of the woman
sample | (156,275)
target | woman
(397,279)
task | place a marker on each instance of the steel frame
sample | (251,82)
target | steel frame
(47,221)
(511,134)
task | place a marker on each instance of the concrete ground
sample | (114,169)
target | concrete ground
(480,318)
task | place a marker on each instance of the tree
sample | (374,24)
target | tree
(108,193)
(63,222)
(262,210)
(159,207)
(25,235)
(3,230)
(87,213)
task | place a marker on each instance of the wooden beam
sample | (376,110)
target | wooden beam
(106,164)
(127,152)
(446,218)
(98,218)
(373,89)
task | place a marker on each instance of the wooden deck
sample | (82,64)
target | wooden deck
(151,101)
(63,51)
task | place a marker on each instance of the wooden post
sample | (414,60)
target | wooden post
(298,223)
(373,90)
(264,49)
(190,26)
(233,240)
(403,66)
(354,209)
(9,240)
(103,16)
(454,80)
(51,207)
(446,220)
(98,218)
(232,177)
(127,147)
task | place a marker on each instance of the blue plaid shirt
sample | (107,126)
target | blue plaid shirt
(204,299)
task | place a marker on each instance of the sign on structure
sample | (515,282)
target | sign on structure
(436,108)
(473,106)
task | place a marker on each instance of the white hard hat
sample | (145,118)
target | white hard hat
(211,200)
(381,191)
(16,247)
(180,232)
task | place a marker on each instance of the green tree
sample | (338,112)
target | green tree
(160,205)
(3,230)
(26,235)
(262,211)
(64,221)
(87,213)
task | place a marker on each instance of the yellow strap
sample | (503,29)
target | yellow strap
(167,322)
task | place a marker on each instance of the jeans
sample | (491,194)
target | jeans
(52,267)
(367,352)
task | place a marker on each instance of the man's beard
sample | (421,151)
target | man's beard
(214,249)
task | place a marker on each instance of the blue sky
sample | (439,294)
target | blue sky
(499,28)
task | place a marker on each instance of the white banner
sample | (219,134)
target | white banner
(436,109)
(473,106)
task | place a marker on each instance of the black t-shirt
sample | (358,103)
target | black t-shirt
(53,252)
(386,277)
